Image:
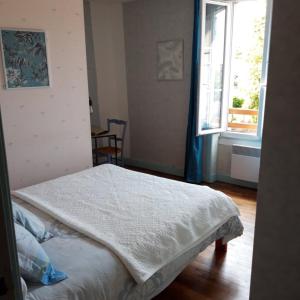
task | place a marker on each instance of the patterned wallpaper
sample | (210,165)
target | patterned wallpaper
(47,130)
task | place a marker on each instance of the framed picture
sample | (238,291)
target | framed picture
(170,60)
(24,55)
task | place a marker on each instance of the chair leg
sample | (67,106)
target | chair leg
(122,161)
(95,159)
(122,158)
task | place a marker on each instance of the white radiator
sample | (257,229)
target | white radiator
(245,162)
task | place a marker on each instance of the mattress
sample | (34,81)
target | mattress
(94,272)
(147,221)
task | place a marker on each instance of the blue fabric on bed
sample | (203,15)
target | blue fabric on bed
(52,275)
(34,263)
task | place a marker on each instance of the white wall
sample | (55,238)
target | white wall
(47,130)
(109,49)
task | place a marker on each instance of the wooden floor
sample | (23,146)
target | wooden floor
(220,277)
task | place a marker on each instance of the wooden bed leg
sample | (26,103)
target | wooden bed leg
(220,247)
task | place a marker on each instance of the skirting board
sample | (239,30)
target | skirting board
(154,167)
(228,179)
(179,172)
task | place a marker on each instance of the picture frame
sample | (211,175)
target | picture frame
(25,58)
(170,60)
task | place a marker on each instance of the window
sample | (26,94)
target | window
(233,69)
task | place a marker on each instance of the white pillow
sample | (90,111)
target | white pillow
(31,222)
(24,288)
(34,263)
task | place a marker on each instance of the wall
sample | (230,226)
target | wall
(158,109)
(109,49)
(276,259)
(47,130)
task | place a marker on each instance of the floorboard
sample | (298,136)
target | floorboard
(219,276)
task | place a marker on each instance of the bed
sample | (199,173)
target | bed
(96,270)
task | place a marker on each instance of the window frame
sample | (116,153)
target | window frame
(227,50)
(227,73)
(263,84)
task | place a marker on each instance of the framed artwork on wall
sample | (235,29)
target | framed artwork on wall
(170,60)
(24,55)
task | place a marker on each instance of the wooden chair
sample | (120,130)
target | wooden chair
(112,153)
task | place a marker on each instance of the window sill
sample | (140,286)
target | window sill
(229,138)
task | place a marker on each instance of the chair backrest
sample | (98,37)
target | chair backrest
(123,126)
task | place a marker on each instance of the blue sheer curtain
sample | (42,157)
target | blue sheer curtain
(194,144)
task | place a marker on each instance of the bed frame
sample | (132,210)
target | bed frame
(220,246)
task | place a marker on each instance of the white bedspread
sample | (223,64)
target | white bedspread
(146,221)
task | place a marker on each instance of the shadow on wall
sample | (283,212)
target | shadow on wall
(91,64)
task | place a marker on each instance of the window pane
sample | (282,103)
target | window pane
(212,67)
(246,66)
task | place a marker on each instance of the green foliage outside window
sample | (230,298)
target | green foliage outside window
(255,58)
(237,102)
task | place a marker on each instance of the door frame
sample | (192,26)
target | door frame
(9,267)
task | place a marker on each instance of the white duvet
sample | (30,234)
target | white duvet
(146,221)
